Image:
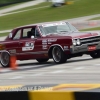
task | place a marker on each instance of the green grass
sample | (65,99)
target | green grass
(40,5)
(3,34)
(35,6)
(91,29)
(78,9)
(96,18)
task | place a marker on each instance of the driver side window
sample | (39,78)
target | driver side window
(26,33)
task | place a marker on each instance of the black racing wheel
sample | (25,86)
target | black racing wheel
(5,59)
(58,55)
(95,54)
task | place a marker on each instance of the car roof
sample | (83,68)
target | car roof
(39,24)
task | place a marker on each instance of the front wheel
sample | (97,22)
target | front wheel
(42,60)
(95,54)
(5,59)
(58,55)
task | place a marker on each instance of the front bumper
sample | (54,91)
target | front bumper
(84,47)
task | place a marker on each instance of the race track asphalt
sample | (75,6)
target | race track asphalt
(76,70)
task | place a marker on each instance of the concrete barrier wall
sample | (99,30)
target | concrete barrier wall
(9,2)
(59,92)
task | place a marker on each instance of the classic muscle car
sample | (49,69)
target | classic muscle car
(44,41)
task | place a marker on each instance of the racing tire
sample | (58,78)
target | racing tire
(42,60)
(95,54)
(5,59)
(58,55)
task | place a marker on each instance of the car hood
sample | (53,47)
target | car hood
(75,34)
(84,34)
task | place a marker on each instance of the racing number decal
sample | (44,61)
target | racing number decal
(28,46)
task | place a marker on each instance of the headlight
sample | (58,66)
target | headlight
(76,42)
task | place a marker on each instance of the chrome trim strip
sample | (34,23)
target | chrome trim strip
(88,44)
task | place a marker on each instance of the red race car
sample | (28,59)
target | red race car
(44,41)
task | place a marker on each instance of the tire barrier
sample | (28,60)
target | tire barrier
(51,92)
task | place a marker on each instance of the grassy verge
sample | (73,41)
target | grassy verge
(35,6)
(91,29)
(3,34)
(40,5)
(96,18)
(78,9)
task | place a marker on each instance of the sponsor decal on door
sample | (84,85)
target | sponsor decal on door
(28,46)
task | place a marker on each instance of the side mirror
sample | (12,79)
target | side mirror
(10,35)
(32,37)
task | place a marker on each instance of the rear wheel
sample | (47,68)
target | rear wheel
(5,59)
(42,60)
(58,55)
(95,54)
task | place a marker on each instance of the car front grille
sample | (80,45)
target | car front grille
(90,40)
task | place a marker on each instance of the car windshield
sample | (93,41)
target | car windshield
(57,28)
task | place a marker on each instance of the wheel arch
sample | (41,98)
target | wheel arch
(51,48)
(5,51)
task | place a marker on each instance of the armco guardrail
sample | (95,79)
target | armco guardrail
(53,92)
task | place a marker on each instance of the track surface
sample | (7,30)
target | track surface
(76,70)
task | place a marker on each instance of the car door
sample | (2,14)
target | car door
(30,48)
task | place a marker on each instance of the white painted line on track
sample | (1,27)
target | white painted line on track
(5,70)
(22,11)
(96,64)
(20,6)
(78,68)
(38,74)
(58,71)
(81,58)
(17,77)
